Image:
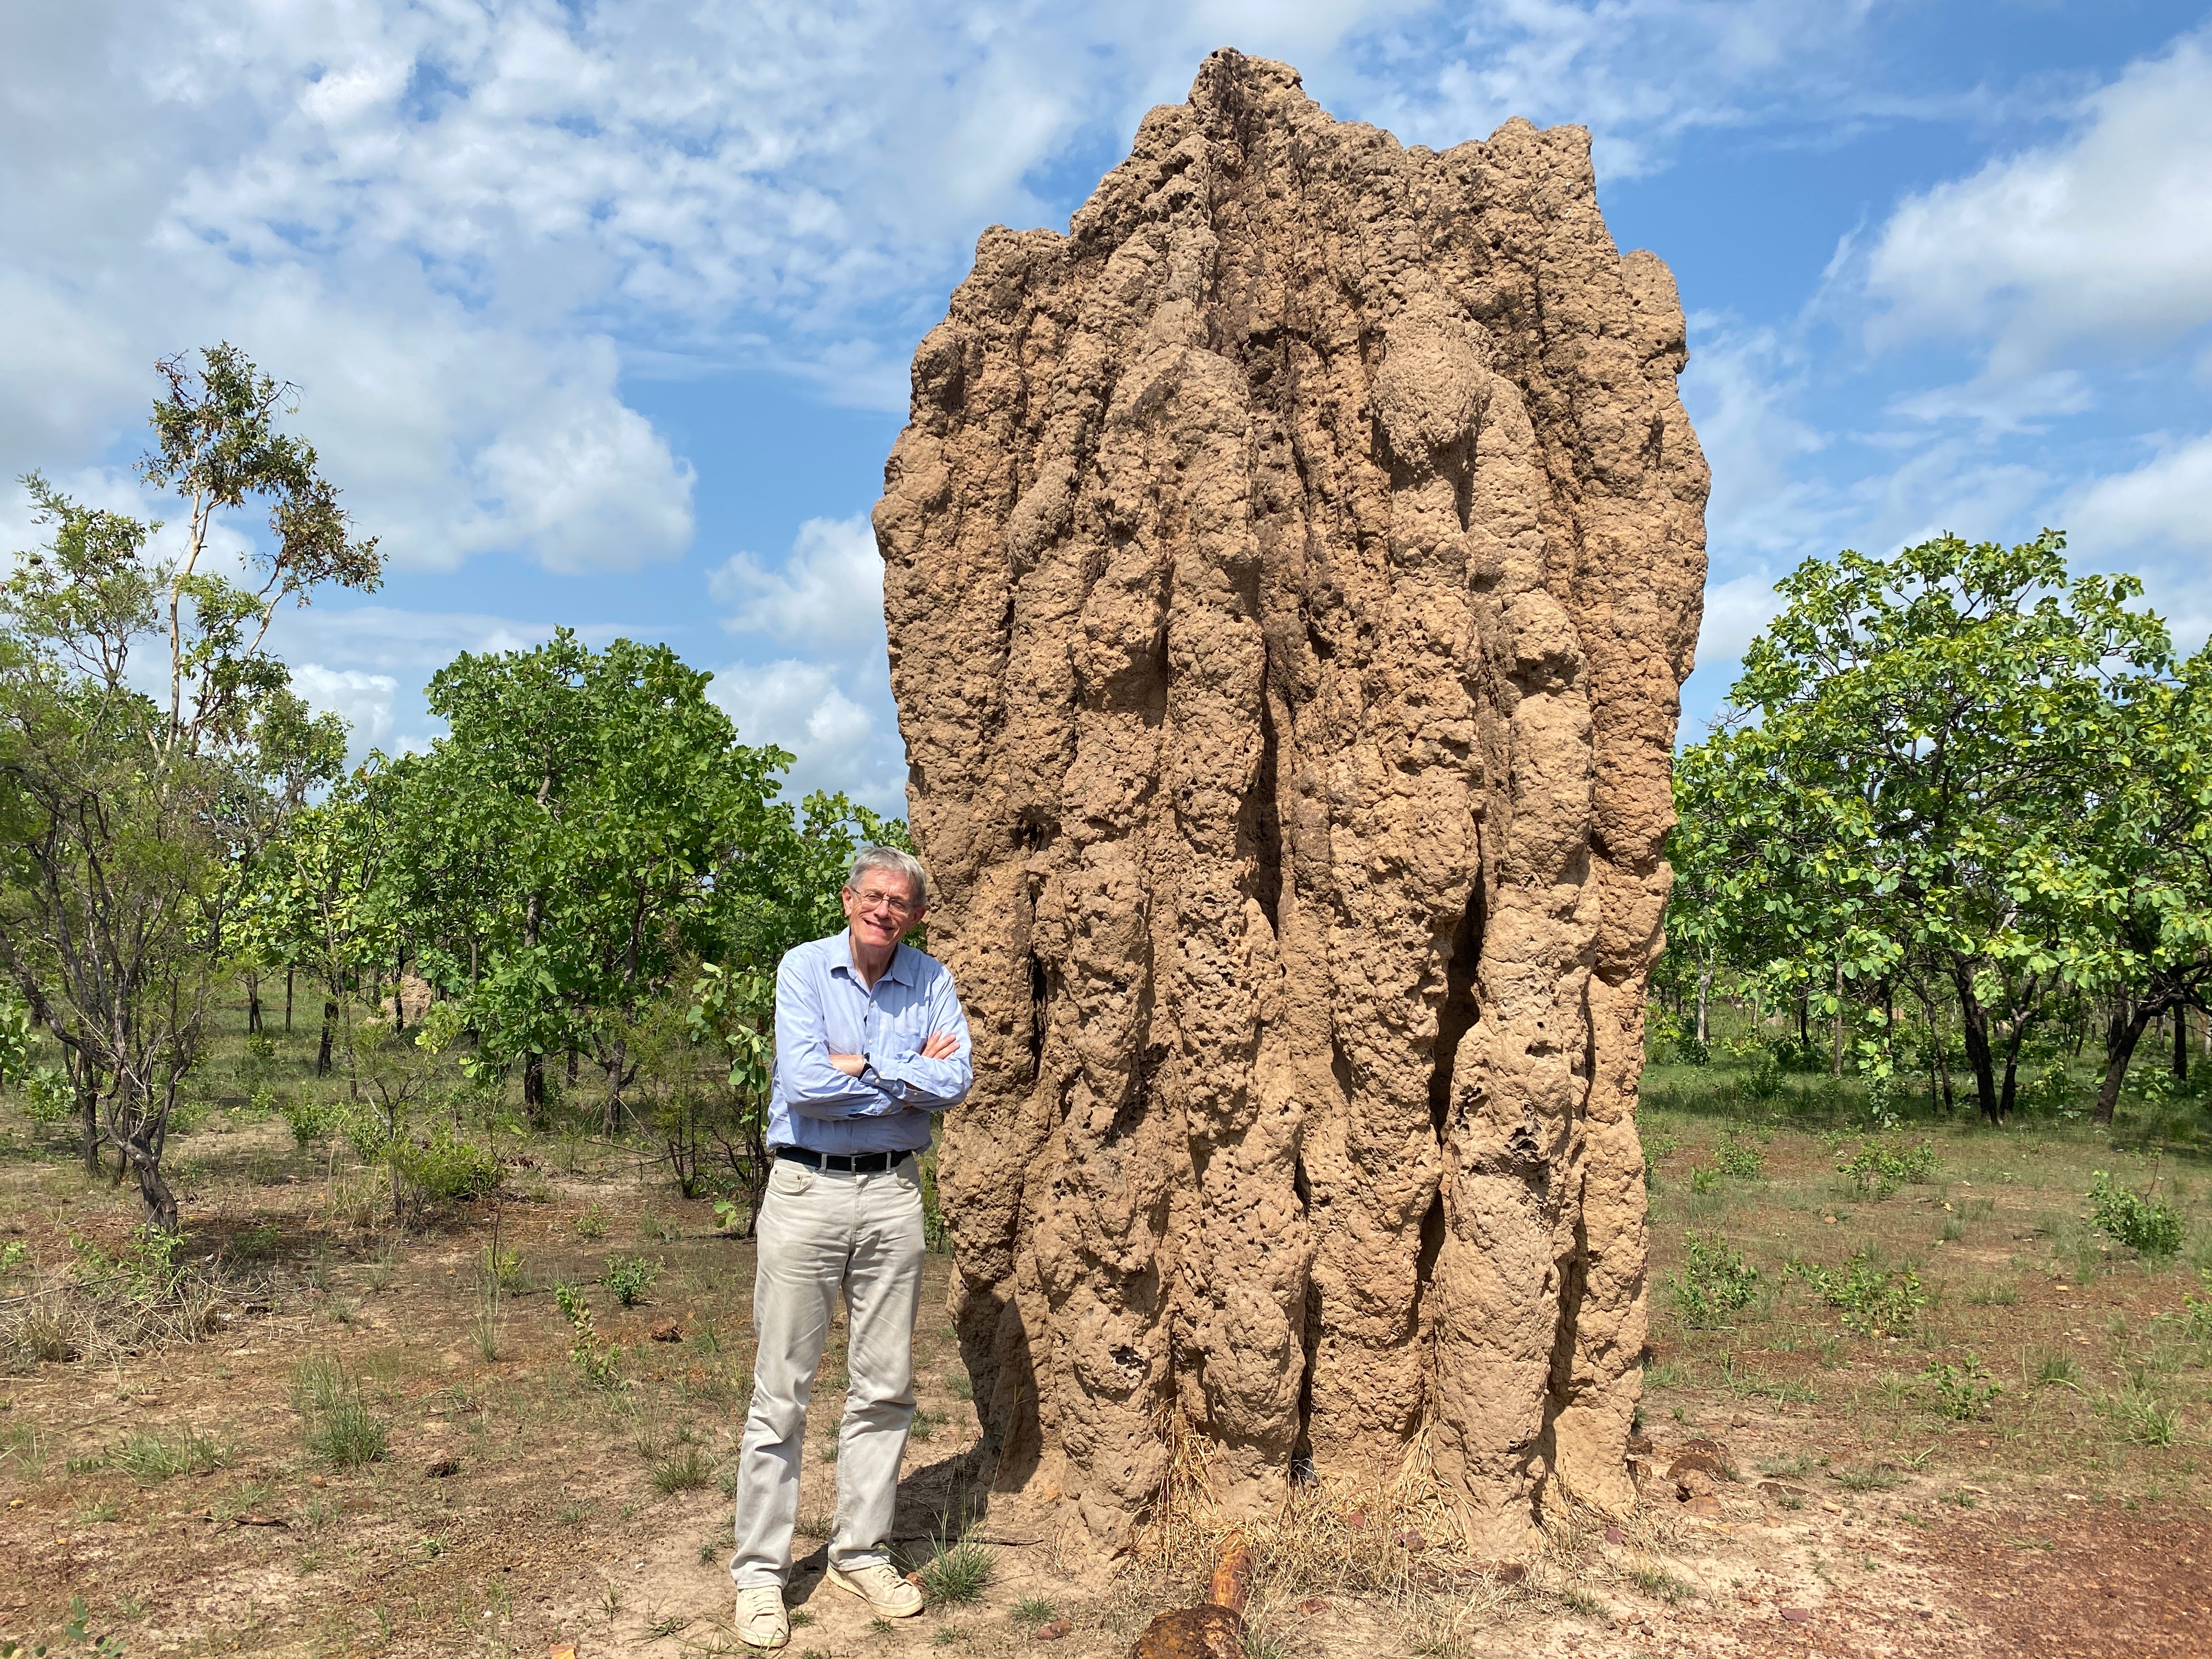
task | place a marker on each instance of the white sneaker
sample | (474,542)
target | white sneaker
(761,1620)
(880,1586)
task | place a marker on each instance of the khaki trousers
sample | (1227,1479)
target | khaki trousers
(820,1232)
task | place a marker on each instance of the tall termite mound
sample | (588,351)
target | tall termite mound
(1290,574)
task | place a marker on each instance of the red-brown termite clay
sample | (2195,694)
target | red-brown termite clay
(1290,575)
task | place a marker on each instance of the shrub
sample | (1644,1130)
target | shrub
(14,1040)
(1688,1051)
(630,1277)
(1963,1392)
(2146,1226)
(47,1097)
(1763,1081)
(448,1167)
(312,1118)
(1744,1163)
(2195,1311)
(1874,1303)
(1876,1171)
(594,1357)
(1715,1281)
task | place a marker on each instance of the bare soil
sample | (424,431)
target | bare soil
(516,1508)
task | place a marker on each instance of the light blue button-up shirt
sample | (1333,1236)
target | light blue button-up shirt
(822,1009)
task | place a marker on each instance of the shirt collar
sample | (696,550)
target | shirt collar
(898,971)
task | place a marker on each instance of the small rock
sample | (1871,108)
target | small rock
(915,1579)
(1739,1421)
(1779,1489)
(1509,1572)
(1705,1509)
(1314,1604)
(316,1480)
(1614,1535)
(1692,1483)
(1356,1519)
(1798,1615)
(668,1332)
(1640,1443)
(442,1468)
(1054,1630)
(1411,1540)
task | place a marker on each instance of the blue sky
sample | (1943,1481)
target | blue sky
(601,313)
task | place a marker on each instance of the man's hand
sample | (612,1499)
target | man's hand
(942,1045)
(850,1065)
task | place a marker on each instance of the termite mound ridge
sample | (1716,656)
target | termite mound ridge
(1290,572)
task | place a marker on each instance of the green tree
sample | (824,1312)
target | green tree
(609,817)
(1917,737)
(2130,880)
(124,816)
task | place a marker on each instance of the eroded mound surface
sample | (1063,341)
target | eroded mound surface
(1290,572)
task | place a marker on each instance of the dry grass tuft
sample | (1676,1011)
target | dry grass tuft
(63,1317)
(1402,1543)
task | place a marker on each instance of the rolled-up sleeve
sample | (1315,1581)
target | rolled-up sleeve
(931,1084)
(811,1086)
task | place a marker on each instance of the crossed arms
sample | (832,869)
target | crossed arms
(821,1083)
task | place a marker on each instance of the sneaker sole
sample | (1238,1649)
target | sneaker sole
(883,1609)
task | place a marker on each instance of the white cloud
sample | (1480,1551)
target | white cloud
(843,738)
(2101,241)
(2164,506)
(1736,611)
(364,700)
(833,709)
(828,594)
(1743,389)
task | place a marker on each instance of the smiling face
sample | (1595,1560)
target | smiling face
(881,910)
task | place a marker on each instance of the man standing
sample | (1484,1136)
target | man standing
(870,1041)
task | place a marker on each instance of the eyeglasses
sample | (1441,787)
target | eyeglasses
(890,901)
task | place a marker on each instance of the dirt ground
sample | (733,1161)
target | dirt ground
(519,1507)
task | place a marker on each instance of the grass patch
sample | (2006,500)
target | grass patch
(687,1469)
(340,1430)
(2140,1417)
(148,1458)
(1661,1585)
(957,1571)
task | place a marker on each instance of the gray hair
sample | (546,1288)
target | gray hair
(890,857)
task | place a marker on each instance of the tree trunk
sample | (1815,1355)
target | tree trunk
(572,1066)
(1804,1025)
(533,1089)
(1974,1029)
(616,1065)
(330,1036)
(1836,1067)
(2120,1039)
(253,1005)
(1705,998)
(84,1077)
(2181,1045)
(287,1002)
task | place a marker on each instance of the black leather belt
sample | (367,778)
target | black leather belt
(843,1163)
